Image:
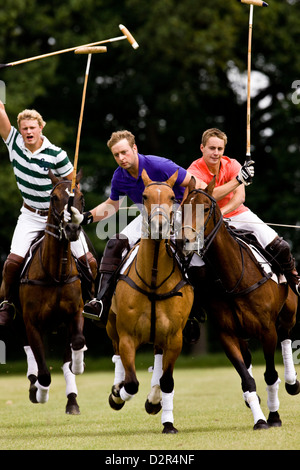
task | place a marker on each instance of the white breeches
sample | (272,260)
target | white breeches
(249,221)
(29,225)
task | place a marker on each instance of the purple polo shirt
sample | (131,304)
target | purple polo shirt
(157,168)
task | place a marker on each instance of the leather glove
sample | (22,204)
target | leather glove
(246,173)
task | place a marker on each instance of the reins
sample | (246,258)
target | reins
(207,243)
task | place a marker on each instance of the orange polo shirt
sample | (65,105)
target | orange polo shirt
(229,169)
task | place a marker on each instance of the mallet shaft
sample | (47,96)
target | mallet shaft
(70,49)
(80,122)
(248,149)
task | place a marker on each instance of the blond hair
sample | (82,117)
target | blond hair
(30,114)
(213,133)
(120,135)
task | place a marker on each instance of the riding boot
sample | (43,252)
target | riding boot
(282,257)
(87,267)
(10,282)
(191,332)
(98,308)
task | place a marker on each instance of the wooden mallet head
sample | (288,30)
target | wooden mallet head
(257,3)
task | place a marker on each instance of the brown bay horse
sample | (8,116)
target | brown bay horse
(151,304)
(243,301)
(50,295)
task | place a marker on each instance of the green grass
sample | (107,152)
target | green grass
(208,409)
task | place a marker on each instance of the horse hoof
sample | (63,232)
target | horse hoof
(113,404)
(293,389)
(32,388)
(261,424)
(72,410)
(169,428)
(274,419)
(72,407)
(152,408)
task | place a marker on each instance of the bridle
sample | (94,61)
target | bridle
(58,216)
(202,243)
(158,210)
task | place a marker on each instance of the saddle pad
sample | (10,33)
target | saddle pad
(281,279)
(129,260)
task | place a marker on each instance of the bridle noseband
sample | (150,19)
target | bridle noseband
(203,243)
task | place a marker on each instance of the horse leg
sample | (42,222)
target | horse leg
(167,388)
(287,320)
(269,343)
(127,353)
(114,399)
(153,402)
(32,373)
(44,378)
(292,385)
(232,349)
(72,407)
(78,346)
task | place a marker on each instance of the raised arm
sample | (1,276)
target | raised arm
(5,124)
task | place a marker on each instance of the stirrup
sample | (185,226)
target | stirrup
(90,315)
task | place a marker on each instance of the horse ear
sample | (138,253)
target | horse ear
(145,178)
(172,180)
(53,178)
(79,176)
(192,184)
(209,189)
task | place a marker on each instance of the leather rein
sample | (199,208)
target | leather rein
(66,278)
(207,243)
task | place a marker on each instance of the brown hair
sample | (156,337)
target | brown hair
(213,133)
(31,114)
(120,135)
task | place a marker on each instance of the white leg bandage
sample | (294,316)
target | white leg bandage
(77,361)
(70,379)
(32,368)
(124,395)
(157,369)
(250,370)
(252,399)
(273,401)
(290,375)
(42,394)
(167,408)
(119,370)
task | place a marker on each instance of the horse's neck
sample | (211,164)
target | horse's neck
(56,256)
(225,253)
(153,261)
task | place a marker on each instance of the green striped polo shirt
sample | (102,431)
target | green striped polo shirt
(31,169)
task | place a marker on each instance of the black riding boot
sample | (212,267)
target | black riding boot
(98,308)
(10,281)
(282,256)
(191,332)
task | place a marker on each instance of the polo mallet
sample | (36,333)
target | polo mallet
(258,3)
(126,35)
(89,51)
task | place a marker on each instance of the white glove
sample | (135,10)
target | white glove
(77,218)
(246,173)
(67,215)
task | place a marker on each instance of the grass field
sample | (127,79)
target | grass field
(208,408)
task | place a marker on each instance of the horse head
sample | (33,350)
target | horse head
(59,198)
(199,211)
(158,199)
